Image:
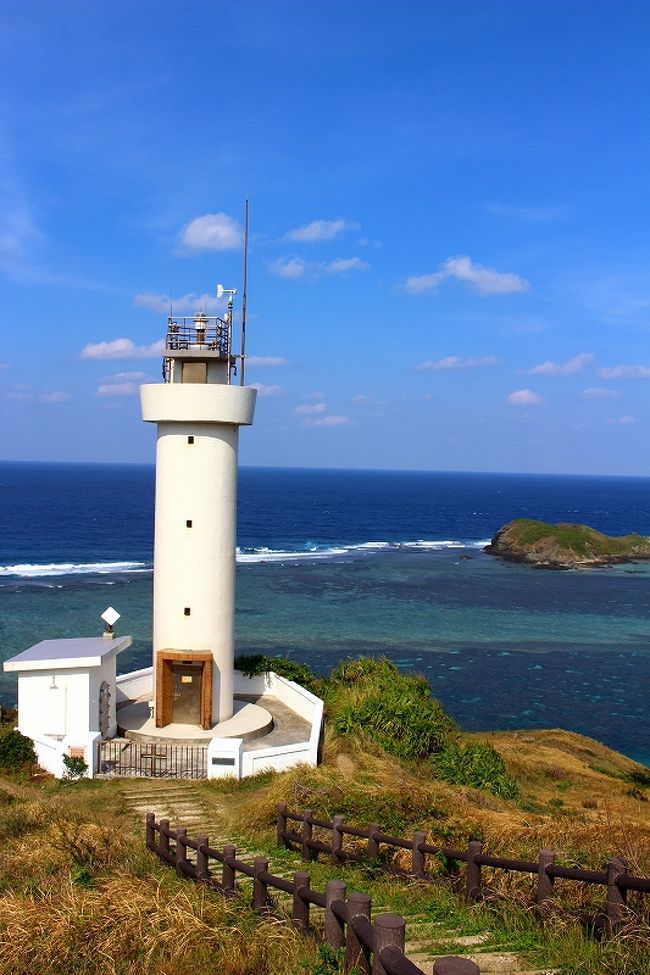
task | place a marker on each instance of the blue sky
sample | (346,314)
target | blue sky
(449,216)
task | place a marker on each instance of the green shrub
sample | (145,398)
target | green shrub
(476,764)
(16,750)
(371,696)
(254,664)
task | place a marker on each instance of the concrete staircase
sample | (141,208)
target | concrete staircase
(182,804)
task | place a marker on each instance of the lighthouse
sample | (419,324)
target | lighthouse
(198,410)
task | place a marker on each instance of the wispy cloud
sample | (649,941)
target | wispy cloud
(524,397)
(482,279)
(458,362)
(117,389)
(212,232)
(318,230)
(294,267)
(363,400)
(624,372)
(527,214)
(331,420)
(18,233)
(622,421)
(289,267)
(186,304)
(310,409)
(263,390)
(266,360)
(122,384)
(121,349)
(595,392)
(17,394)
(56,396)
(344,264)
(573,365)
(23,394)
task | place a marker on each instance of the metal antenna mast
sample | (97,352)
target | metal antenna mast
(243,300)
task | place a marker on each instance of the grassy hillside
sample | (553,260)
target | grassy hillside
(80,894)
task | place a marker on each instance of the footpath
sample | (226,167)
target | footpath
(183,805)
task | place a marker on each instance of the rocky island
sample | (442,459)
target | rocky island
(565,546)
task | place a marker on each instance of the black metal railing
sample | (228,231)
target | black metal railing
(121,757)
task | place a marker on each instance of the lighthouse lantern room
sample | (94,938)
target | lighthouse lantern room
(198,410)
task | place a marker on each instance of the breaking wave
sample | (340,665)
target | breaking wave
(29,570)
(310,551)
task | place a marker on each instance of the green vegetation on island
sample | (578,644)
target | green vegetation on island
(565,546)
(79,893)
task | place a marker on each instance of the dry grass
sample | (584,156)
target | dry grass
(80,896)
(129,924)
(365,785)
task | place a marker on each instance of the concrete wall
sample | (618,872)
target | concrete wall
(249,762)
(50,752)
(137,683)
(300,700)
(54,707)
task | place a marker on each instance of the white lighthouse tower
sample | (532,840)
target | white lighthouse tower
(198,410)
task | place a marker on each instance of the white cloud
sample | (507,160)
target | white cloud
(294,267)
(480,278)
(186,304)
(212,232)
(598,393)
(625,372)
(320,230)
(263,390)
(331,420)
(576,364)
(265,360)
(57,396)
(344,264)
(457,362)
(622,421)
(309,409)
(524,397)
(4,365)
(121,349)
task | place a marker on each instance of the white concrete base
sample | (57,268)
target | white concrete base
(249,721)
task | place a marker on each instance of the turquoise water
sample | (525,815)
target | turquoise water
(503,645)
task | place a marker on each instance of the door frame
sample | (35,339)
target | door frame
(165,684)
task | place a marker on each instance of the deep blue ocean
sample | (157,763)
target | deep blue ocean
(334,564)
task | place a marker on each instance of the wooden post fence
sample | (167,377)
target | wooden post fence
(372,948)
(544,870)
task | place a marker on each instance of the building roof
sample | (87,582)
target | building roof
(85,651)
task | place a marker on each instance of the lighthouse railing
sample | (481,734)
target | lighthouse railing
(208,334)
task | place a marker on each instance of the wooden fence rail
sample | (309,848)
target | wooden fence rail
(375,947)
(616,879)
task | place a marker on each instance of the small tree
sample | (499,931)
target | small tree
(75,768)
